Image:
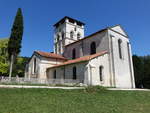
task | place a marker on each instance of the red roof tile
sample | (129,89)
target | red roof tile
(50,55)
(81,59)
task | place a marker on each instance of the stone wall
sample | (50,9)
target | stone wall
(83,47)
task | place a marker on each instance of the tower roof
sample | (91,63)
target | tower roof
(70,19)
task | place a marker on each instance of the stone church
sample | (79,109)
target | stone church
(102,58)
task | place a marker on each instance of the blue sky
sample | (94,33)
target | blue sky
(40,15)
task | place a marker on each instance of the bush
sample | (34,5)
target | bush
(93,89)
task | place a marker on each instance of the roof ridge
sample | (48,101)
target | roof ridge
(50,55)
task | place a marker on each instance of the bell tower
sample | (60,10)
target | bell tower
(67,31)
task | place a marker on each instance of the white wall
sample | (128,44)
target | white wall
(42,64)
(67,71)
(30,68)
(94,74)
(87,72)
(66,27)
(83,47)
(122,73)
(71,27)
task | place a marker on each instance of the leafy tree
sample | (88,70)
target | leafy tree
(4,69)
(4,56)
(20,63)
(15,40)
(19,68)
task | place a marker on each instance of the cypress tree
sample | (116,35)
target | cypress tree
(14,44)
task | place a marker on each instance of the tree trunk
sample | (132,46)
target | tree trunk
(11,66)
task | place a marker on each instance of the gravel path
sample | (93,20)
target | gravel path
(125,89)
(49,87)
(56,87)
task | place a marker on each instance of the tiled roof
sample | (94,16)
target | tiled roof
(50,55)
(81,59)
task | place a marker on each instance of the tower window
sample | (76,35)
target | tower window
(75,29)
(120,48)
(56,48)
(74,73)
(63,35)
(78,36)
(58,38)
(71,34)
(54,74)
(93,48)
(59,30)
(73,53)
(101,73)
(59,49)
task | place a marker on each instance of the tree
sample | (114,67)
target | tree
(146,79)
(14,44)
(3,69)
(4,57)
(138,71)
(142,71)
(19,68)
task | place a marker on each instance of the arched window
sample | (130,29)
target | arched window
(75,29)
(63,35)
(93,48)
(120,48)
(56,48)
(34,65)
(74,73)
(59,49)
(73,53)
(54,74)
(101,73)
(71,34)
(58,38)
(78,36)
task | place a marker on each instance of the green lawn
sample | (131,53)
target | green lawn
(73,101)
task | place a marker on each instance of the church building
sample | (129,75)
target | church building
(102,58)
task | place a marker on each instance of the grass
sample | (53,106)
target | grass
(73,101)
